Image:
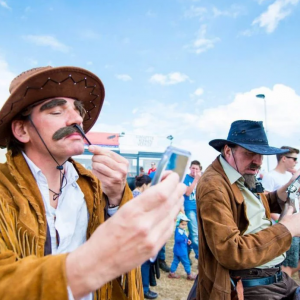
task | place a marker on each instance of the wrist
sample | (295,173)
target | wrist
(114,201)
(85,269)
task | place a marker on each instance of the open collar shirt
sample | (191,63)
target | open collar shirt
(255,209)
(68,222)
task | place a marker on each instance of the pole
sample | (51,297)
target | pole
(262,96)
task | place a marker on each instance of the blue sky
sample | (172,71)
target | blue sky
(182,67)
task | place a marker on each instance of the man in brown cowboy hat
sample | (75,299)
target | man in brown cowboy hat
(236,236)
(51,244)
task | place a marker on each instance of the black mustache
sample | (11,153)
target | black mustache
(254,166)
(63,132)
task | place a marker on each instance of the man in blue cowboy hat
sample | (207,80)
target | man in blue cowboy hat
(58,239)
(236,237)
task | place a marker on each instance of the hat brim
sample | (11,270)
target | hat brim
(218,144)
(69,82)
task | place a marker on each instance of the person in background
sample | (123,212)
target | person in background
(142,172)
(273,180)
(190,207)
(152,169)
(180,250)
(142,183)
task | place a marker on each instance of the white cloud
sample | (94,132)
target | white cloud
(4,4)
(276,12)
(246,32)
(89,63)
(198,128)
(201,43)
(123,77)
(279,100)
(47,41)
(135,110)
(195,96)
(233,12)
(6,76)
(169,79)
(198,92)
(196,11)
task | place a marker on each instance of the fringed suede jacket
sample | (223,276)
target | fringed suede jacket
(25,271)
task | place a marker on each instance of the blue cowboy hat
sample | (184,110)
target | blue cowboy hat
(249,135)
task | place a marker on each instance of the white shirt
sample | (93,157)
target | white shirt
(273,180)
(70,218)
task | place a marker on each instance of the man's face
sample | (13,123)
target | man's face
(194,170)
(152,166)
(242,160)
(290,161)
(51,119)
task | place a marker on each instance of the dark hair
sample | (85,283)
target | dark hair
(141,180)
(141,169)
(196,163)
(291,150)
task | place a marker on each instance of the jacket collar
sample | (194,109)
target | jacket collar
(216,165)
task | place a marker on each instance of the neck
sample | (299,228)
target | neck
(280,169)
(48,168)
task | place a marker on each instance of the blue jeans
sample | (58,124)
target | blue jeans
(193,229)
(145,268)
(185,262)
(162,253)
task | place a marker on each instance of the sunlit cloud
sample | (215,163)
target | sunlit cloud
(202,43)
(276,12)
(169,79)
(47,41)
(195,12)
(6,76)
(233,11)
(5,5)
(123,77)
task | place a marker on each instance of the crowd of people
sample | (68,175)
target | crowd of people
(72,233)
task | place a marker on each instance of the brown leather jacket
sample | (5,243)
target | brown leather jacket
(25,273)
(222,220)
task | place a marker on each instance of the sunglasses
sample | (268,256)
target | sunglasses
(294,158)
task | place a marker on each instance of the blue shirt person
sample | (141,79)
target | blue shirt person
(191,181)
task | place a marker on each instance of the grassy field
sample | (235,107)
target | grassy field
(174,289)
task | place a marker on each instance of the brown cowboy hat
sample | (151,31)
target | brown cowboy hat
(46,82)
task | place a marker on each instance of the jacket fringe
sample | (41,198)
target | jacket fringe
(23,222)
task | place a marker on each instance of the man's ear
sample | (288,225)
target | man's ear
(20,130)
(227,151)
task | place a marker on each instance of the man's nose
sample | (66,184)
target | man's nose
(74,118)
(258,159)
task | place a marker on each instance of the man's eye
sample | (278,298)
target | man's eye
(55,113)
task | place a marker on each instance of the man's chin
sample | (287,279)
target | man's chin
(250,180)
